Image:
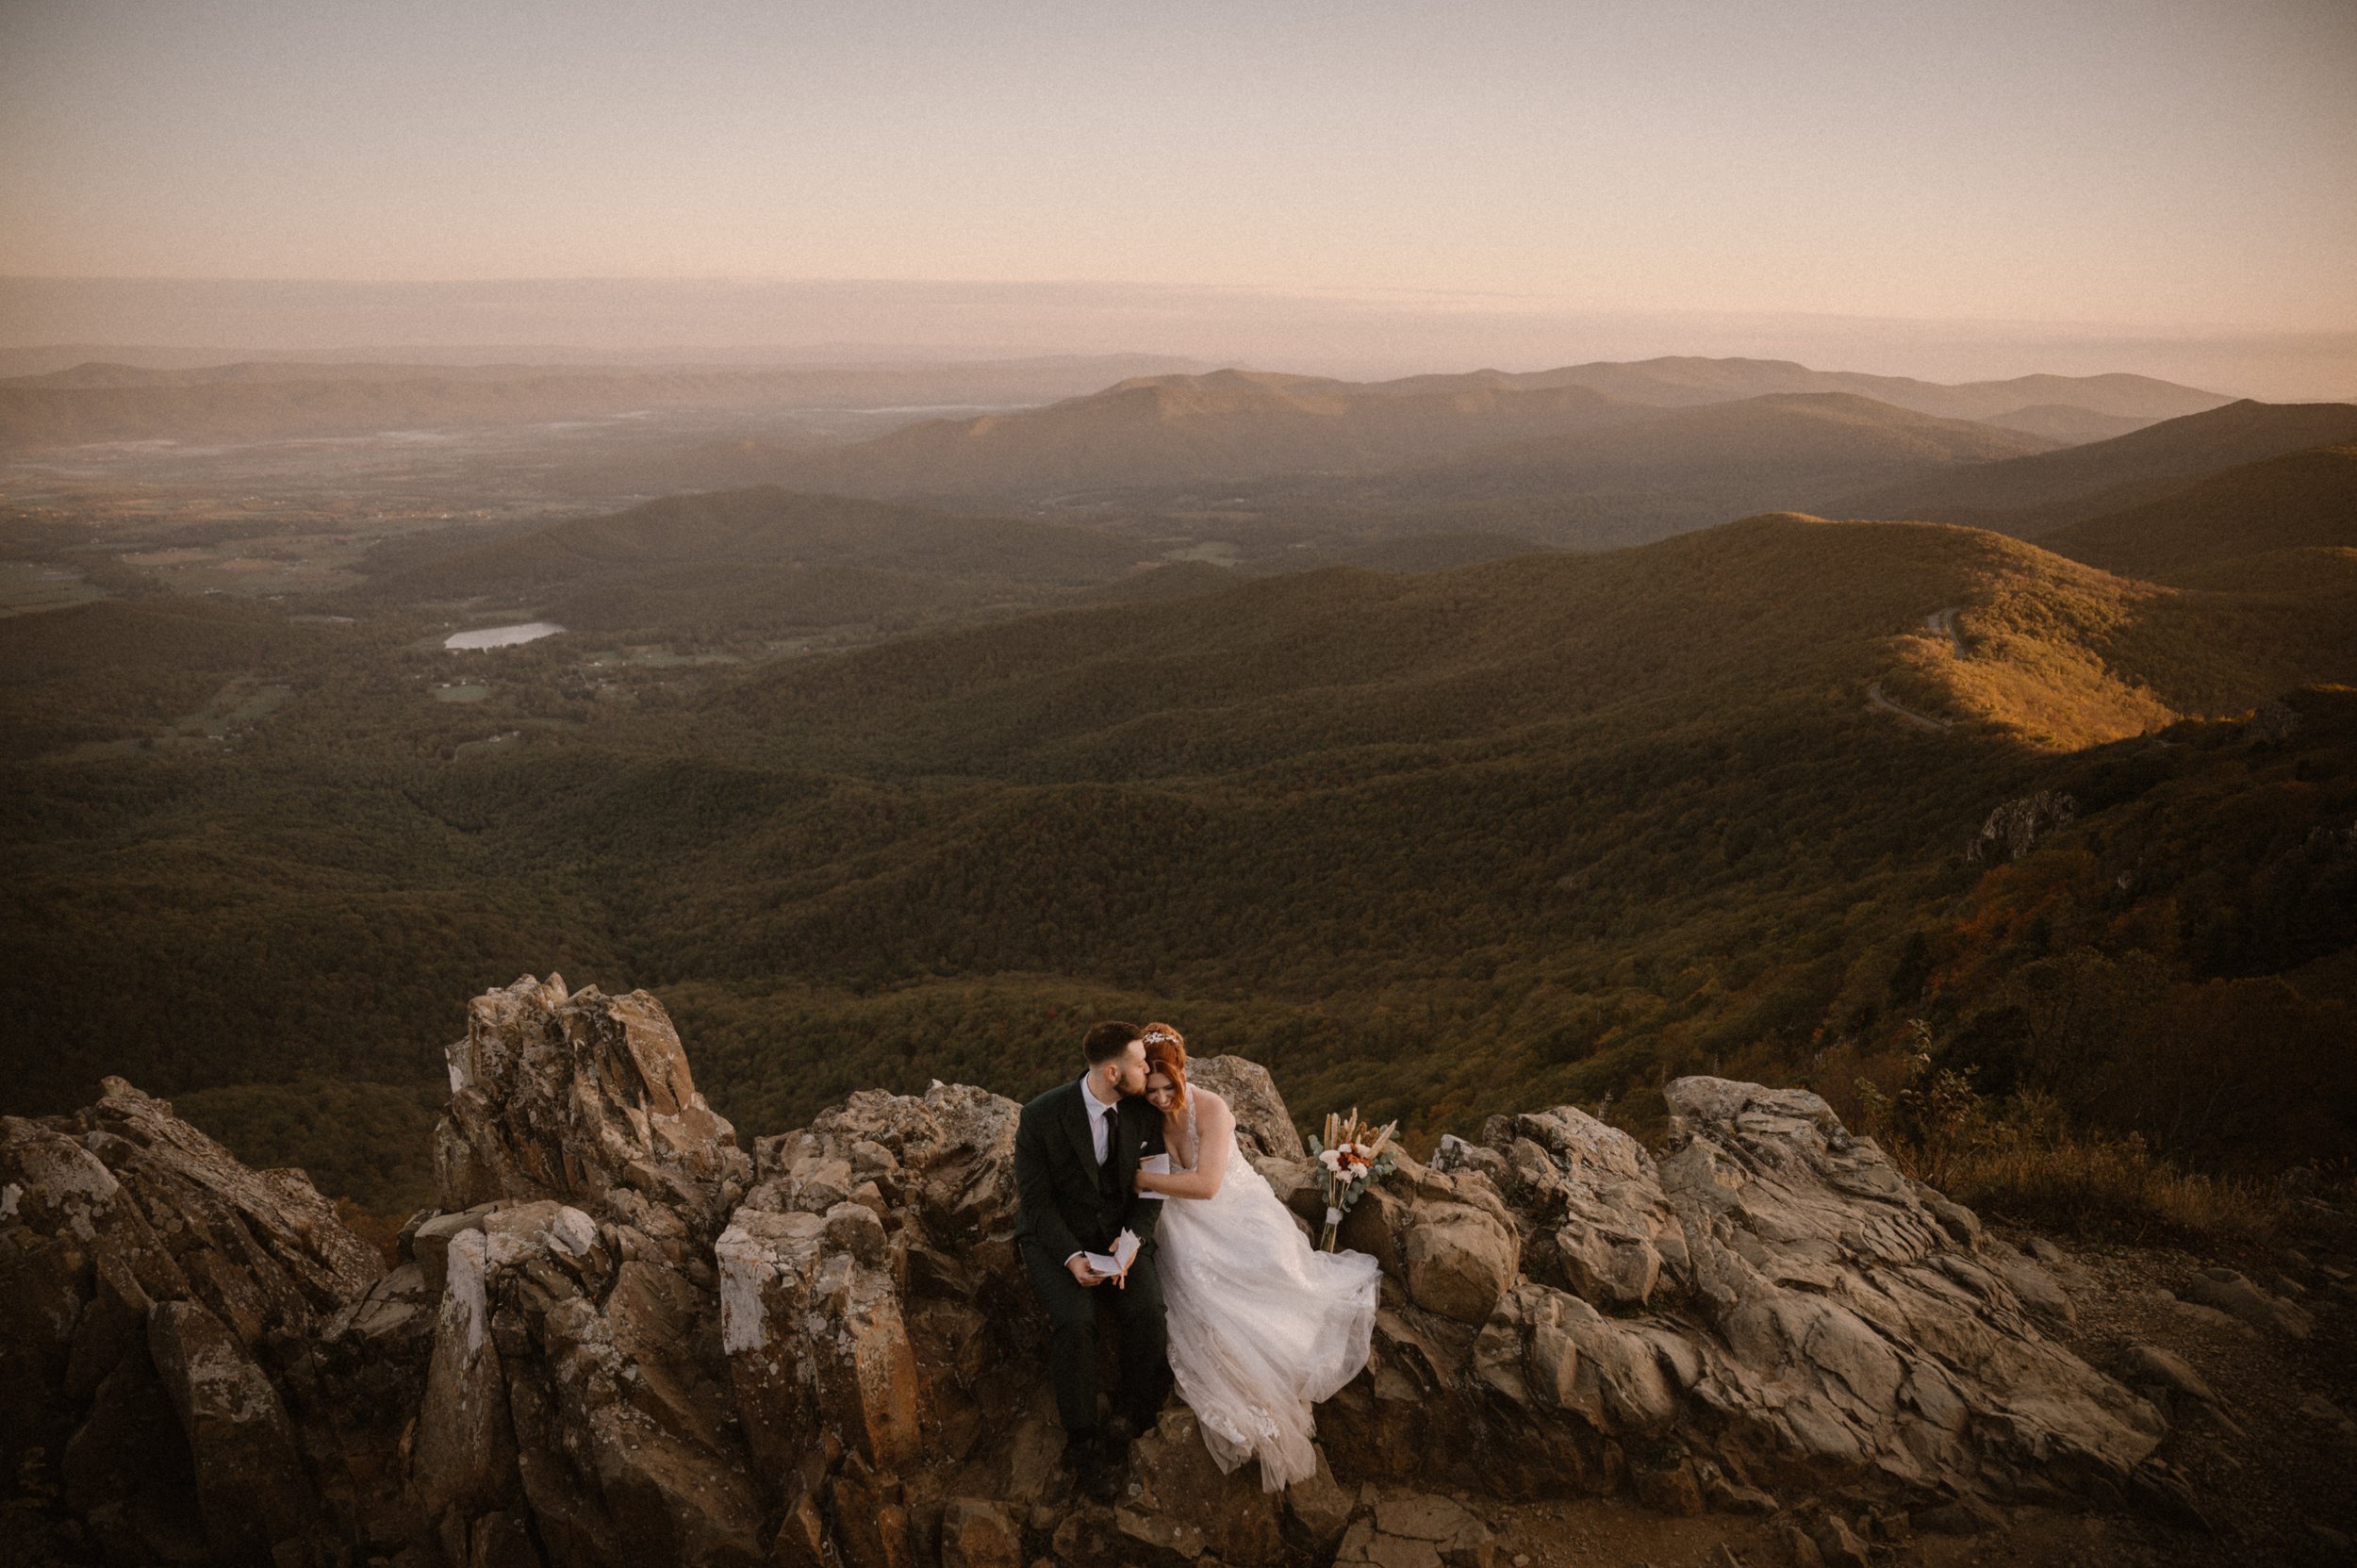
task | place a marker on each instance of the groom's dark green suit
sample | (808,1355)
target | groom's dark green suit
(1067,1203)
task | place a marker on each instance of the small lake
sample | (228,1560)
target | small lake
(503,636)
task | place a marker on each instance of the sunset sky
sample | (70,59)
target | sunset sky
(2112,170)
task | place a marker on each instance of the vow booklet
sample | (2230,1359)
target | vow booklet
(1157,1164)
(1115,1263)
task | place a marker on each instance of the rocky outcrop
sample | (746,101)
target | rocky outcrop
(576,1097)
(576,1398)
(2015,826)
(160,1309)
(623,1339)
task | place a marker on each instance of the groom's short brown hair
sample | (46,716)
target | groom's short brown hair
(1105,1041)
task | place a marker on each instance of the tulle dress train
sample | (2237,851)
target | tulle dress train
(1261,1323)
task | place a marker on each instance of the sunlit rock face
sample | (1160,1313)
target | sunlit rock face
(624,1340)
(578,1097)
(160,1309)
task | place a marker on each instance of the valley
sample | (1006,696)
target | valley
(1425,818)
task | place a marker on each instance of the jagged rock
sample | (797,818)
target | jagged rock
(1839,1545)
(577,1378)
(2014,827)
(874,1314)
(2228,1291)
(1318,1512)
(1800,1550)
(575,1096)
(1849,1330)
(1670,1488)
(625,1341)
(2163,1489)
(159,1305)
(429,1242)
(250,1482)
(1588,1204)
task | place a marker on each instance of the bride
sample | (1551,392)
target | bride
(1261,1323)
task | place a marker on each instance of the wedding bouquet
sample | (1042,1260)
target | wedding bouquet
(1352,1159)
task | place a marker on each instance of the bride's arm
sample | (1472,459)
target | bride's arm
(1214,1135)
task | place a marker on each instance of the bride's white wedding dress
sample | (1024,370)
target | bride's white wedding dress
(1261,1323)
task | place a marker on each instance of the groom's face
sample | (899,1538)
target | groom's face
(1133,1065)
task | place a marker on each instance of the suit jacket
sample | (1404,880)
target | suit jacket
(1058,1203)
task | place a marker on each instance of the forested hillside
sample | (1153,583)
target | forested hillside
(1544,828)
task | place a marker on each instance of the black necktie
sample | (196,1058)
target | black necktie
(1106,1181)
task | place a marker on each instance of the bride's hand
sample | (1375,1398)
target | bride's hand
(1143,1182)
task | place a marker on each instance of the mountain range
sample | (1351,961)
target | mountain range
(1234,427)
(278,399)
(2033,494)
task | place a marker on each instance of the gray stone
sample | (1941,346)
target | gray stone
(2152,1366)
(2229,1293)
(430,1243)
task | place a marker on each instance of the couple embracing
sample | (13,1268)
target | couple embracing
(1131,1186)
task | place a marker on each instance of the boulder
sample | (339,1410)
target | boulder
(1459,1260)
(575,1095)
(2225,1290)
(2149,1366)
(1263,1126)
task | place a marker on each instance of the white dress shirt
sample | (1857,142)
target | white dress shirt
(1098,1131)
(1097,1128)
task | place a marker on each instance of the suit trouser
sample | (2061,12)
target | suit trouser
(1072,1337)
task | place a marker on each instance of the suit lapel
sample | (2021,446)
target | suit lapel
(1084,1135)
(1128,1133)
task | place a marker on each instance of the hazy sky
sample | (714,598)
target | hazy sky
(2167,164)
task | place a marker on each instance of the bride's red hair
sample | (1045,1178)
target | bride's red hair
(1166,1053)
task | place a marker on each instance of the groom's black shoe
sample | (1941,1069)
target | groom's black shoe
(1097,1480)
(1120,1432)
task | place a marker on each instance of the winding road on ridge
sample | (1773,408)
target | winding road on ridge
(1940,623)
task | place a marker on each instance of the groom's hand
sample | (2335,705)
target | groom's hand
(1081,1271)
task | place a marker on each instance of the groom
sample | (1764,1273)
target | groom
(1076,1156)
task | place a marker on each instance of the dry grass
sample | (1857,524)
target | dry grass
(2111,1187)
(2023,1158)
